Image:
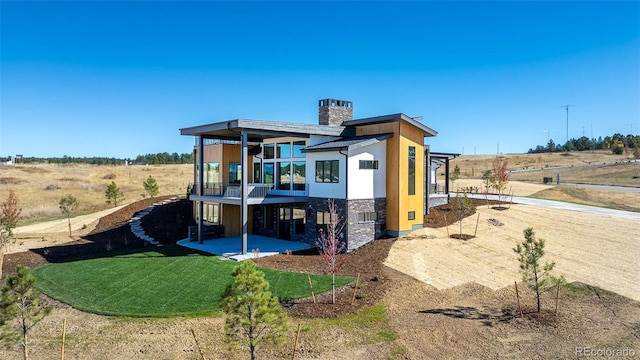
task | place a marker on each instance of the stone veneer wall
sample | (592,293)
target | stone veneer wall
(334,115)
(320,204)
(436,200)
(360,233)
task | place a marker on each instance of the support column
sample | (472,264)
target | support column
(200,186)
(244,212)
(446,176)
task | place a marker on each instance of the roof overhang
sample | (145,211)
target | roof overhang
(258,130)
(348,143)
(392,117)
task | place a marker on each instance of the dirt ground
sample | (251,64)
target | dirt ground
(457,320)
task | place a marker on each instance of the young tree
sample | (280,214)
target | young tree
(254,316)
(9,217)
(462,206)
(331,247)
(487,177)
(454,176)
(20,308)
(113,194)
(534,274)
(150,187)
(68,205)
(500,177)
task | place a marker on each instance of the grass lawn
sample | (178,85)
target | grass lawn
(165,281)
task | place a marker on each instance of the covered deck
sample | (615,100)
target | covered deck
(231,247)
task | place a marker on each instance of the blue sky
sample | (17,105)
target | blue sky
(119,79)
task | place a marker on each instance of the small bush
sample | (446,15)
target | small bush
(52,187)
(109,176)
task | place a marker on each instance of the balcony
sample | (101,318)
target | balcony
(258,193)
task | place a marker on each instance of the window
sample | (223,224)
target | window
(297,149)
(283,151)
(328,171)
(235,173)
(371,216)
(284,175)
(212,173)
(256,173)
(412,215)
(211,213)
(299,220)
(412,170)
(269,151)
(299,175)
(268,173)
(368,164)
(323,218)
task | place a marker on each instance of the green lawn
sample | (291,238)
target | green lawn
(166,281)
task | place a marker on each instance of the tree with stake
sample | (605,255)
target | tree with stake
(9,217)
(20,308)
(254,316)
(534,274)
(500,177)
(487,176)
(68,205)
(463,206)
(113,194)
(331,247)
(150,187)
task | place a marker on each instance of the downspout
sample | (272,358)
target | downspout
(346,196)
(200,186)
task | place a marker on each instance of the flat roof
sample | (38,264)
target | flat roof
(258,130)
(349,143)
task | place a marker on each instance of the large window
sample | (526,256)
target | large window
(268,173)
(299,175)
(297,149)
(256,173)
(235,173)
(328,171)
(323,218)
(212,173)
(299,220)
(412,170)
(284,175)
(269,151)
(283,150)
(269,218)
(211,213)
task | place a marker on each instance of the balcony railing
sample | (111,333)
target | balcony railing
(255,190)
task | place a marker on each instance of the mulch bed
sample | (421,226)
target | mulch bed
(168,224)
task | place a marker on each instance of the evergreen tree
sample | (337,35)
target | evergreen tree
(9,217)
(534,274)
(113,194)
(150,187)
(254,316)
(20,308)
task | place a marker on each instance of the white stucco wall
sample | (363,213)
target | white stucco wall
(368,183)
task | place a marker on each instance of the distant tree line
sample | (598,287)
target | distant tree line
(617,143)
(152,159)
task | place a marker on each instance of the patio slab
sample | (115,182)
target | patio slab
(257,246)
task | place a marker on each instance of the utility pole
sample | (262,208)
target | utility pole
(566,107)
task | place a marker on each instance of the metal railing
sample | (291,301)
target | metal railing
(255,190)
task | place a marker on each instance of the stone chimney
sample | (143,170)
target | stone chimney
(333,112)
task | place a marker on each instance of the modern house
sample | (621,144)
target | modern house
(275,178)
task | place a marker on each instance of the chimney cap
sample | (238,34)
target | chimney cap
(335,102)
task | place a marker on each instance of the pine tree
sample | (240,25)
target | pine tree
(113,194)
(68,205)
(151,186)
(9,217)
(20,308)
(534,274)
(254,316)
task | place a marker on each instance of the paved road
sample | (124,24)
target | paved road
(565,206)
(631,189)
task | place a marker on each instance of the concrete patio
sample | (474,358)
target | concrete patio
(257,246)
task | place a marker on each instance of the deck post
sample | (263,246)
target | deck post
(200,187)
(244,212)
